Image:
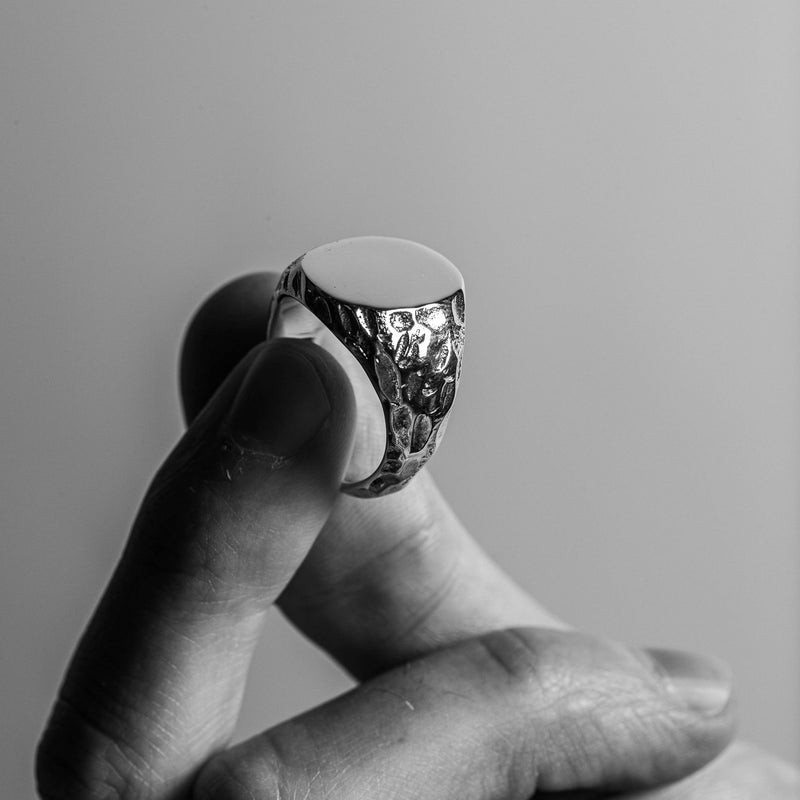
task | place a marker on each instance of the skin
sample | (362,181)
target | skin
(467,687)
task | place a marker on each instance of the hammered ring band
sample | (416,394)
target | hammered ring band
(392,313)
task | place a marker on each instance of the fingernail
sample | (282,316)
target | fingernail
(281,404)
(703,684)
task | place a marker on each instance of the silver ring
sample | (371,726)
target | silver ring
(392,312)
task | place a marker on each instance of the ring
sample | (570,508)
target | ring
(392,313)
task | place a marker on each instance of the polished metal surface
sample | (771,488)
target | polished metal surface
(412,359)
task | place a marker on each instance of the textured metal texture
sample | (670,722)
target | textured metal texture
(412,357)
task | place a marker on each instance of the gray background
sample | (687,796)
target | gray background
(618,182)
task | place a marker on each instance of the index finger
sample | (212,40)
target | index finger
(155,684)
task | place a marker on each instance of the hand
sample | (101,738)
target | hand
(245,513)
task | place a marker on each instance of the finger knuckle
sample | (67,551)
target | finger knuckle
(223,778)
(512,653)
(436,579)
(197,531)
(76,760)
(430,570)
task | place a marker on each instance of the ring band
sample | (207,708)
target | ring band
(409,352)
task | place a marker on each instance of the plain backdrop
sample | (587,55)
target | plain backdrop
(618,182)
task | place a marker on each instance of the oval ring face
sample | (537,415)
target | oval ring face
(381,272)
(403,358)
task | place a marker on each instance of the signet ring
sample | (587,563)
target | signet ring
(391,311)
